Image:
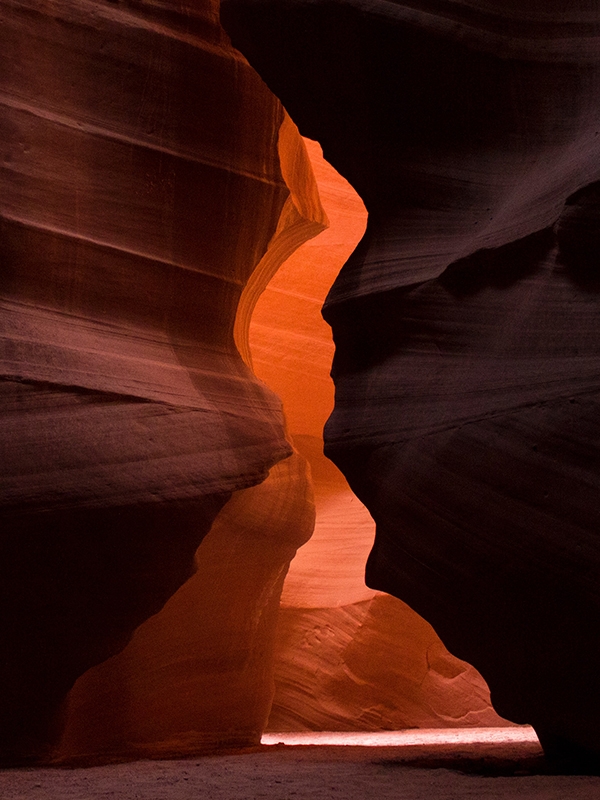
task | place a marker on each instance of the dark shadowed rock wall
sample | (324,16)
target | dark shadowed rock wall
(466,321)
(140,186)
(346,657)
(198,675)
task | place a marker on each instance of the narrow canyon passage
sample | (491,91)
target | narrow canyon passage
(342,657)
(346,657)
(181,568)
(466,322)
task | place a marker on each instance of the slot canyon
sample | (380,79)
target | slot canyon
(206,207)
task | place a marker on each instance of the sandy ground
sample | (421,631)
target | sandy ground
(282,772)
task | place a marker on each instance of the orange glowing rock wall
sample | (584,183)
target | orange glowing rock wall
(141,186)
(466,322)
(151,186)
(347,657)
(199,674)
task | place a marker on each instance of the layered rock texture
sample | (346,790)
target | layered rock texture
(346,657)
(198,675)
(211,666)
(466,322)
(151,187)
(142,184)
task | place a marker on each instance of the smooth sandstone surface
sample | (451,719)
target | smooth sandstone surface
(151,188)
(466,322)
(198,676)
(141,185)
(346,657)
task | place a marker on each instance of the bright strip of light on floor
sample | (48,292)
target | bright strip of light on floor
(521,733)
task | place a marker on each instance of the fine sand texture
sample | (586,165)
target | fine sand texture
(281,772)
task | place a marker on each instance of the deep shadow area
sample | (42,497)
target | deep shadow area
(517,759)
(498,267)
(578,235)
(489,764)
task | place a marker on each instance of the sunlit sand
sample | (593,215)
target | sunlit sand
(522,733)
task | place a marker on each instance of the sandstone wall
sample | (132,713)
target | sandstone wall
(347,657)
(466,322)
(140,188)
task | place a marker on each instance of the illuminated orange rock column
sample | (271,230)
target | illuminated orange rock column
(199,674)
(466,322)
(140,187)
(347,657)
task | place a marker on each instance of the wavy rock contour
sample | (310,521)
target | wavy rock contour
(346,657)
(198,676)
(466,322)
(140,188)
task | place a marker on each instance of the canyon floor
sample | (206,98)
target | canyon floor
(444,771)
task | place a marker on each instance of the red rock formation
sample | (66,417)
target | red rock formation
(371,666)
(347,658)
(140,188)
(466,321)
(151,186)
(199,674)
